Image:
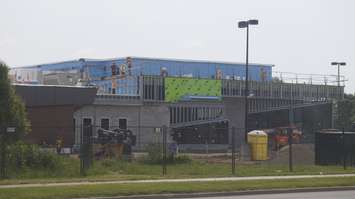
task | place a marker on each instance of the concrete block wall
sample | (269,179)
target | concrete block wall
(142,120)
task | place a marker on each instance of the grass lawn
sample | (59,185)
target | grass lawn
(158,188)
(123,170)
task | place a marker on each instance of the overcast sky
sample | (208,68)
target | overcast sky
(301,36)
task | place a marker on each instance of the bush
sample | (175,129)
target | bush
(154,152)
(22,156)
(31,161)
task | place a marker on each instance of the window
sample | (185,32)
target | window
(76,138)
(105,123)
(74,124)
(122,123)
(87,130)
(86,122)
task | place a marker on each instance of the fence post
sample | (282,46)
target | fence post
(82,152)
(2,155)
(344,149)
(290,160)
(164,148)
(86,149)
(207,137)
(233,150)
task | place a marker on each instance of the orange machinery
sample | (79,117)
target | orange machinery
(279,136)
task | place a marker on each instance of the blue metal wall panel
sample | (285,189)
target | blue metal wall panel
(61,66)
(199,69)
(98,70)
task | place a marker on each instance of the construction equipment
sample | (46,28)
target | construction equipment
(279,136)
(113,143)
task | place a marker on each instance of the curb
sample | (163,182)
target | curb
(177,180)
(233,193)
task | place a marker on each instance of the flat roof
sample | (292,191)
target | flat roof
(55,95)
(47,85)
(147,58)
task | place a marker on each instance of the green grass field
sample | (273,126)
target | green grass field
(123,170)
(159,188)
(208,169)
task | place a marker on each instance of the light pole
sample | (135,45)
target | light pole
(339,92)
(338,64)
(245,24)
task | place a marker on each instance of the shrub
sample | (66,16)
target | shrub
(154,152)
(23,155)
(31,161)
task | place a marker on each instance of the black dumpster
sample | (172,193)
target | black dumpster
(332,146)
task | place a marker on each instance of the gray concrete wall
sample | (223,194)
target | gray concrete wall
(141,119)
(234,112)
(144,119)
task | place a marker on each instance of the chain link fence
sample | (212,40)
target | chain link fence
(206,150)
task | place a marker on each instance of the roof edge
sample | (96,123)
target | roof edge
(145,58)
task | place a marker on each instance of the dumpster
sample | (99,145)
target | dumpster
(332,147)
(258,141)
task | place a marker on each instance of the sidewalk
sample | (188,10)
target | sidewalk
(175,180)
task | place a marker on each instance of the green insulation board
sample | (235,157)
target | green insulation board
(176,88)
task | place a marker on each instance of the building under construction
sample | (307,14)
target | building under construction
(190,97)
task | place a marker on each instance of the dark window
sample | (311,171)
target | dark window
(122,123)
(105,123)
(74,124)
(86,122)
(171,115)
(74,127)
(87,130)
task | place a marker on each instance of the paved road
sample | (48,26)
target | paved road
(306,195)
(176,180)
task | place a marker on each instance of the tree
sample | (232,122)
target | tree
(12,114)
(346,112)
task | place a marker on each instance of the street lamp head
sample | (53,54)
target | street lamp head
(334,63)
(242,24)
(253,22)
(338,63)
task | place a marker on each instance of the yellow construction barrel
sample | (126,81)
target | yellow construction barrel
(257,141)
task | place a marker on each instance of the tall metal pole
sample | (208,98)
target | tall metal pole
(245,24)
(246,86)
(338,75)
(290,131)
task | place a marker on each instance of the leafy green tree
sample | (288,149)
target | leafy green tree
(346,112)
(12,114)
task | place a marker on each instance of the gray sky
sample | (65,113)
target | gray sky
(301,36)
